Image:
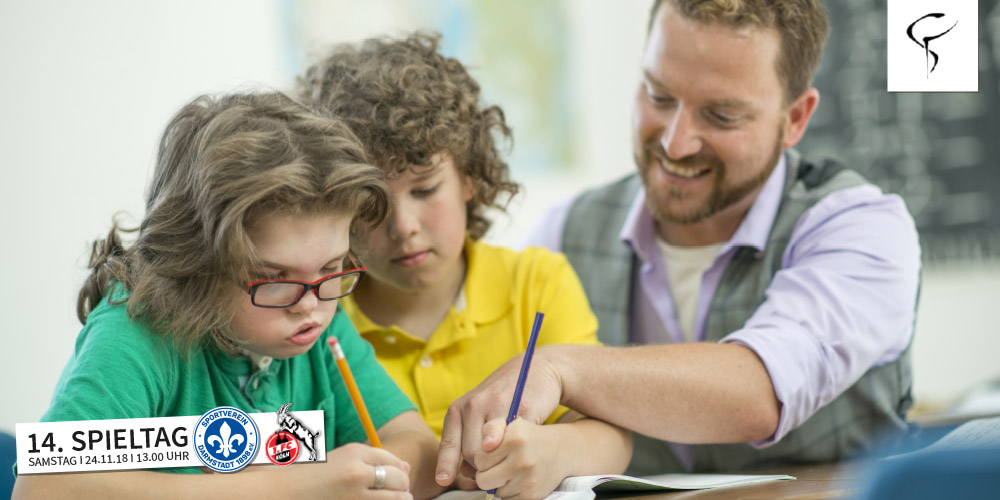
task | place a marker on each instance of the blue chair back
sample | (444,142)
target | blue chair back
(8,455)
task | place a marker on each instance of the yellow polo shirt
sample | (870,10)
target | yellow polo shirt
(503,291)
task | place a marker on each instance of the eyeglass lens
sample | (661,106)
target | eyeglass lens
(283,294)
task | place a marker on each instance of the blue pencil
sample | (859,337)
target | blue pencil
(521,378)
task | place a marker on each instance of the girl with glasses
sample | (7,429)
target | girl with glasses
(443,309)
(227,298)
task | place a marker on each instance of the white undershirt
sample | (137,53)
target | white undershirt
(460,300)
(685,267)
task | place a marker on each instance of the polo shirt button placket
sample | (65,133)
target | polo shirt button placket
(262,365)
(426,361)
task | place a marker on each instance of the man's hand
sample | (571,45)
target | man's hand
(477,420)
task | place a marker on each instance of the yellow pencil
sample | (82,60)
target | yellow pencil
(352,389)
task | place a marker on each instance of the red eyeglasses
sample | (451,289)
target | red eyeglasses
(285,293)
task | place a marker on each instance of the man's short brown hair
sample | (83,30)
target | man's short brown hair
(801,24)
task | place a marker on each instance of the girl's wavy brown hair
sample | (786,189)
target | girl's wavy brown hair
(222,163)
(407,102)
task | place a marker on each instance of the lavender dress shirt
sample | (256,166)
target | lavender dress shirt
(843,302)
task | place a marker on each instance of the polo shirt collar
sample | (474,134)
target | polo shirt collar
(360,320)
(483,277)
(230,364)
(234,365)
(246,363)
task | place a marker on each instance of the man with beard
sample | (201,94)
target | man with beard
(769,299)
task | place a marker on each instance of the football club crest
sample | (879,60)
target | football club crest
(291,426)
(282,448)
(226,439)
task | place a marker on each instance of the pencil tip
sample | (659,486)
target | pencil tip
(489,496)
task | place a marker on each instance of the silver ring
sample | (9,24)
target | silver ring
(379,477)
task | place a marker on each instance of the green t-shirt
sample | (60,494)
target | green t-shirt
(120,369)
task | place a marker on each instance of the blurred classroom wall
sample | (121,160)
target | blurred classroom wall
(88,87)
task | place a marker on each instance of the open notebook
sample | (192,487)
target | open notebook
(583,487)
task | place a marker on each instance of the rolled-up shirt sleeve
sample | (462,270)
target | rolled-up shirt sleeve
(843,302)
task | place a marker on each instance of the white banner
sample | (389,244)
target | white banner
(221,439)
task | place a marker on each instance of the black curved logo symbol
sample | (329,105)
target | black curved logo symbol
(927,41)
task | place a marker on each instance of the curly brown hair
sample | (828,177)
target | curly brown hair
(222,163)
(802,25)
(407,103)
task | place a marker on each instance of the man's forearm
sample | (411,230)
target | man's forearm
(689,393)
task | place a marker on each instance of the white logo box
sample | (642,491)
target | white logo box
(134,443)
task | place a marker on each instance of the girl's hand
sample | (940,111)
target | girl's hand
(526,465)
(348,474)
(351,475)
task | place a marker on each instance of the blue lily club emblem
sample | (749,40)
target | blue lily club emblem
(226,439)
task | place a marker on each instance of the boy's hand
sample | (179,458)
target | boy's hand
(466,479)
(475,421)
(526,465)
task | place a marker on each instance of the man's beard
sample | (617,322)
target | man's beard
(719,198)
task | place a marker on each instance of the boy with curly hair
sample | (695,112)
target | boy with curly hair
(442,308)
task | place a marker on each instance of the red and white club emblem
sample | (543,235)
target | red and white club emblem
(282,448)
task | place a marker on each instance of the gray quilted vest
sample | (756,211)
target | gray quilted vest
(869,414)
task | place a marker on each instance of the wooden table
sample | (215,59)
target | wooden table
(813,482)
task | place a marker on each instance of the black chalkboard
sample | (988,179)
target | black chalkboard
(939,151)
